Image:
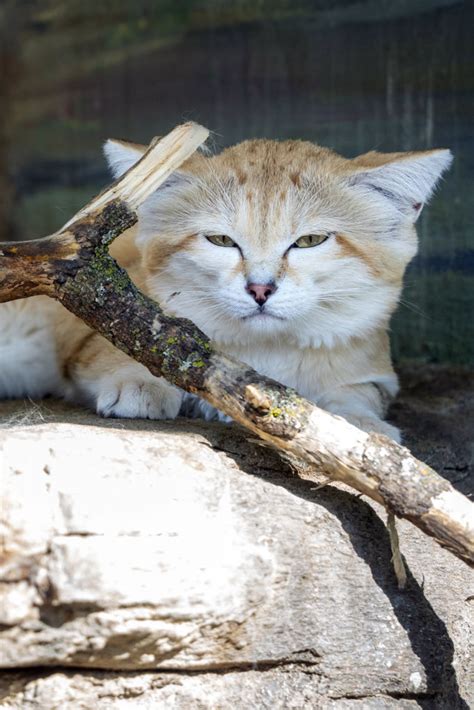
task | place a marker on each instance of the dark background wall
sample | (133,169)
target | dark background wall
(354,75)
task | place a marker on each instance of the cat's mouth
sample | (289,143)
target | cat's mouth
(262,314)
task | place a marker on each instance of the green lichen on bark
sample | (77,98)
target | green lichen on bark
(280,410)
(93,265)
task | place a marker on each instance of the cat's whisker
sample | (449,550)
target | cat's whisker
(414,308)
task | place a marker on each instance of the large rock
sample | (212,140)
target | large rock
(184,549)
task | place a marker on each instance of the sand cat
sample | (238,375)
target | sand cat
(289,256)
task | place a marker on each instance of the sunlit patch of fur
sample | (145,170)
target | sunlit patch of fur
(322,331)
(336,296)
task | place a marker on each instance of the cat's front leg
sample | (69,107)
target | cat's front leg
(115,385)
(363,405)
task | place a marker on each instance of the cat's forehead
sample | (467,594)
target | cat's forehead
(267,162)
(267,188)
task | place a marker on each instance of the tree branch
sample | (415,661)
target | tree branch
(74,267)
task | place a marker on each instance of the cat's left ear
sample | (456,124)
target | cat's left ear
(121,155)
(407,179)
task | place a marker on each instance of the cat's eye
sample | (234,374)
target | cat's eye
(310,240)
(220,240)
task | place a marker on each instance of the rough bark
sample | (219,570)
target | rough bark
(79,272)
(181,547)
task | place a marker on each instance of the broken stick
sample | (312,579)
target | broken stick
(74,267)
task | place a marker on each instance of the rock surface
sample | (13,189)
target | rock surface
(180,565)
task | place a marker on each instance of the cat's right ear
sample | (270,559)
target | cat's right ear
(406,179)
(121,155)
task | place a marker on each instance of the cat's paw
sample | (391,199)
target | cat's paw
(369,424)
(138,398)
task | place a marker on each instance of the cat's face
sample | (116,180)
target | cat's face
(285,241)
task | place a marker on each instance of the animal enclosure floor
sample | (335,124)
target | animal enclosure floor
(434,410)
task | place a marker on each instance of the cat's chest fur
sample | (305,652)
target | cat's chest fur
(293,366)
(315,371)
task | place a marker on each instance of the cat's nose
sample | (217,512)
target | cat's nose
(260,292)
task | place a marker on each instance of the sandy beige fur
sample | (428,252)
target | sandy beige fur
(324,329)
